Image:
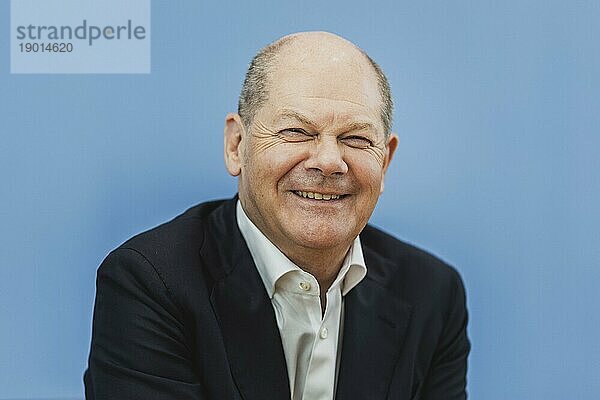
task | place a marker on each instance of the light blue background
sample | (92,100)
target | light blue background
(497,108)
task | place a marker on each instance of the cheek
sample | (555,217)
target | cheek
(367,171)
(268,165)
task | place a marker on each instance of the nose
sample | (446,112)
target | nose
(326,156)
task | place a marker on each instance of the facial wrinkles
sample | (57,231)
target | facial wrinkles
(377,151)
(334,99)
(264,138)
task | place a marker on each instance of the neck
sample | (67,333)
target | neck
(323,264)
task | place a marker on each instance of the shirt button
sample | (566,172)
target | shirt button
(305,286)
(323,334)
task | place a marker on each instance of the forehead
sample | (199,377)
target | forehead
(329,83)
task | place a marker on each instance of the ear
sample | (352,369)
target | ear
(390,149)
(233,133)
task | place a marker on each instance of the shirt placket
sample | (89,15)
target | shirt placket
(320,374)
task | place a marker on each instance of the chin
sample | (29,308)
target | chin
(322,236)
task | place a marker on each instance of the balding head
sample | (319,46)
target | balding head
(326,53)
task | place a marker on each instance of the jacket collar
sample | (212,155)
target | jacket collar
(375,324)
(244,310)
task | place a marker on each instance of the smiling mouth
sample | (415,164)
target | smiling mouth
(319,196)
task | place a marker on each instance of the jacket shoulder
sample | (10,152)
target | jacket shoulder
(410,264)
(174,238)
(171,250)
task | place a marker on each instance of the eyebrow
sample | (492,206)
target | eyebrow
(353,126)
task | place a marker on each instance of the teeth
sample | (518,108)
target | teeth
(318,196)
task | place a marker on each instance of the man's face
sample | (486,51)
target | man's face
(312,163)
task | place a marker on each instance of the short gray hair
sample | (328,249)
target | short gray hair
(255,87)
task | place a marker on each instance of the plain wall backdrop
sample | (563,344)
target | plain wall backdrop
(497,172)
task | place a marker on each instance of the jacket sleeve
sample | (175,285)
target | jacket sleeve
(138,348)
(446,378)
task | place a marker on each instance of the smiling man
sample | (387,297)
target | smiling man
(284,291)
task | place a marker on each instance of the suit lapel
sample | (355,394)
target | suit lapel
(375,323)
(244,311)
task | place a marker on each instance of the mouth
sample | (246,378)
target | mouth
(319,196)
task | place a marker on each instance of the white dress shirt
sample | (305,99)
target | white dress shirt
(311,339)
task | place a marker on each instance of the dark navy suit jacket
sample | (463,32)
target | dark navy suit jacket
(181,313)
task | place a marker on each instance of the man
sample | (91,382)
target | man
(285,292)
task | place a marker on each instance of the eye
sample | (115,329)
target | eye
(295,134)
(360,142)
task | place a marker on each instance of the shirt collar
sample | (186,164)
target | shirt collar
(272,264)
(353,268)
